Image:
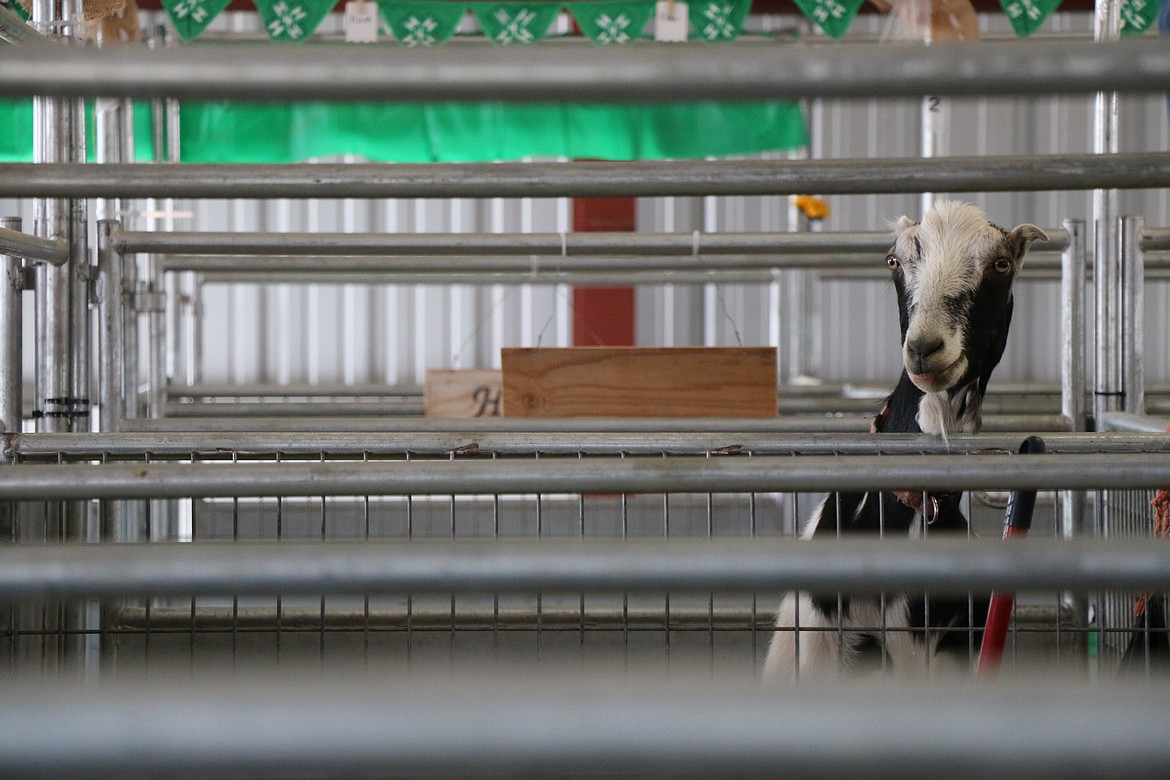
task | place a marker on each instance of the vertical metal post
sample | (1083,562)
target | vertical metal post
(61,292)
(61,400)
(109,132)
(1107,383)
(111,341)
(802,320)
(1072,298)
(932,134)
(11,338)
(804,342)
(1132,314)
(11,379)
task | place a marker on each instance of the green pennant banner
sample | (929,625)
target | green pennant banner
(423,24)
(19,9)
(191,17)
(515,23)
(292,20)
(1137,16)
(832,16)
(716,21)
(1026,16)
(612,22)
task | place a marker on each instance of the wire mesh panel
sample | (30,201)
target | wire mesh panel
(1128,625)
(636,629)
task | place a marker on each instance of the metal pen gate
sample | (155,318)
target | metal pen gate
(464,552)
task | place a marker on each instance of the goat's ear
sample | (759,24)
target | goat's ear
(902,225)
(1023,236)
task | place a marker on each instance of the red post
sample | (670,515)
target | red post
(603,315)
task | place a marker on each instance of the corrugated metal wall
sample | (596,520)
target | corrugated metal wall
(355,333)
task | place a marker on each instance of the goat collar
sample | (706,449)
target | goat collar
(929,504)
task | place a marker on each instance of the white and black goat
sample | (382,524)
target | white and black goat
(953,273)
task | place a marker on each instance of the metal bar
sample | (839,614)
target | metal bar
(595,179)
(323,390)
(414,407)
(638,439)
(1125,421)
(111,296)
(1074,390)
(523,263)
(17,244)
(597,475)
(1155,239)
(464,722)
(11,334)
(1133,314)
(421,617)
(634,73)
(404,407)
(473,246)
(1108,271)
(792,424)
(873,391)
(1072,296)
(15,30)
(573,565)
(545,277)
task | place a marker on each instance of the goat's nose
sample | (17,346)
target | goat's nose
(920,349)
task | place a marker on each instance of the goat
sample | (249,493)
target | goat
(953,274)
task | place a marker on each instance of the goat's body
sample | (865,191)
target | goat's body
(952,357)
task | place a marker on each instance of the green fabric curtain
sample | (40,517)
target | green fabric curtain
(222,132)
(16,132)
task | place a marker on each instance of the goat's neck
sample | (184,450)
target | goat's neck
(909,410)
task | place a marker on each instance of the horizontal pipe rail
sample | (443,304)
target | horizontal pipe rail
(414,407)
(325,389)
(457,440)
(33,482)
(538,274)
(631,73)
(862,389)
(402,407)
(478,250)
(788,424)
(310,265)
(661,565)
(549,276)
(15,30)
(1155,239)
(1137,423)
(464,722)
(18,244)
(423,617)
(419,616)
(593,179)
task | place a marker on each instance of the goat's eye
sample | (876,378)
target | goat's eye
(1002,265)
(892,262)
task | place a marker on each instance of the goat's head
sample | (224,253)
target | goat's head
(953,272)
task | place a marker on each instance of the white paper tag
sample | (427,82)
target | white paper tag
(361,22)
(670,21)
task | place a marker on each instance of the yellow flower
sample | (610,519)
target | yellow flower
(813,207)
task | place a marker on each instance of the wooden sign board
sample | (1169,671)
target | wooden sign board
(640,382)
(469,393)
